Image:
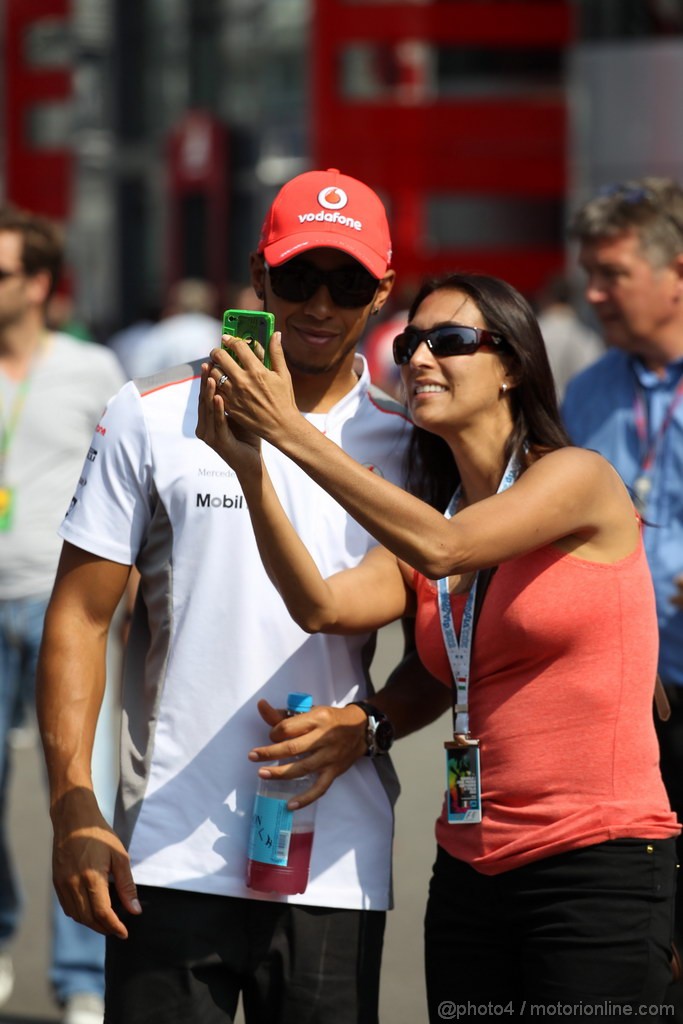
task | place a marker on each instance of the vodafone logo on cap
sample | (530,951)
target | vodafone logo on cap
(333,198)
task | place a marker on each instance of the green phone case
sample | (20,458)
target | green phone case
(252,326)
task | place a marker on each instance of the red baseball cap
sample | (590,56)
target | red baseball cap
(327,209)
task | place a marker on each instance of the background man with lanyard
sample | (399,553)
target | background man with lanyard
(53,390)
(629,405)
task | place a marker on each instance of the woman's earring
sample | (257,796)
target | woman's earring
(375,310)
(504,387)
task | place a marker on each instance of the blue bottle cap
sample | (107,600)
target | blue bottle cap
(297,703)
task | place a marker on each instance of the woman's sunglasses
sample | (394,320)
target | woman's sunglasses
(450,340)
(349,286)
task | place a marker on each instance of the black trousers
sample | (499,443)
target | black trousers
(587,928)
(670,735)
(189,956)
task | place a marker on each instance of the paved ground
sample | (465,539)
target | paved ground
(418,760)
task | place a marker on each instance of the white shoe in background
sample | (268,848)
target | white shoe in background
(84,1008)
(6,977)
(22,737)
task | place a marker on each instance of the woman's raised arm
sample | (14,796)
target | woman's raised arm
(570,494)
(351,601)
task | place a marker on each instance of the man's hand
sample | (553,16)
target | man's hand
(85,854)
(325,742)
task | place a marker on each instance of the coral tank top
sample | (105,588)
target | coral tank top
(561,691)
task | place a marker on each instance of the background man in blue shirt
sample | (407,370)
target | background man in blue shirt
(629,405)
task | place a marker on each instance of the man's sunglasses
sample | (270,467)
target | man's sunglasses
(298,281)
(450,340)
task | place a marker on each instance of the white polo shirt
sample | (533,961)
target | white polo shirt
(211,636)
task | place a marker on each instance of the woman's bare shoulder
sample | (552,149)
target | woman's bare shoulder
(572,460)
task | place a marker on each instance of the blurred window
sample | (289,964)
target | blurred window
(48,43)
(619,19)
(49,125)
(415,70)
(493,222)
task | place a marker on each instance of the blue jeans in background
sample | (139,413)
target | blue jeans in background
(77,951)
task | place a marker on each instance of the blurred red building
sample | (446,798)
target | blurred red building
(36,90)
(160,132)
(456,111)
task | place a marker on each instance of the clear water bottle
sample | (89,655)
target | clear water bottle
(280,840)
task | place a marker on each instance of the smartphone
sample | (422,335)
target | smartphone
(252,326)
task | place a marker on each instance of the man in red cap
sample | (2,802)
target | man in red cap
(209,637)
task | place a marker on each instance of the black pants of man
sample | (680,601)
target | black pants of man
(189,956)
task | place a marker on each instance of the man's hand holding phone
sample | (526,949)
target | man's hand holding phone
(253,326)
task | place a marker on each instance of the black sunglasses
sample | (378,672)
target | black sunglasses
(6,274)
(449,340)
(349,286)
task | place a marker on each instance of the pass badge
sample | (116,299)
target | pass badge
(6,508)
(463,784)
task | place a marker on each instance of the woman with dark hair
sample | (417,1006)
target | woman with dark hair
(433,473)
(554,876)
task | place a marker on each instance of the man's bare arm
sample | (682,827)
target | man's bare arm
(70,685)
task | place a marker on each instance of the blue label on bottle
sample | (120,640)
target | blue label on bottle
(271,831)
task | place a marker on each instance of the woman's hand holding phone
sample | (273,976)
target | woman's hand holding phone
(240,448)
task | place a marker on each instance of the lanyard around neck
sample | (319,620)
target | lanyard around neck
(460,652)
(8,426)
(649,447)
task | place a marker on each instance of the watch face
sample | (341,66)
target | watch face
(384,735)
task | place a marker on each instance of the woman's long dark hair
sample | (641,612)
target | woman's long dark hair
(432,472)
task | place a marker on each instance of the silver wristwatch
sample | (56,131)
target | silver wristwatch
(379,734)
